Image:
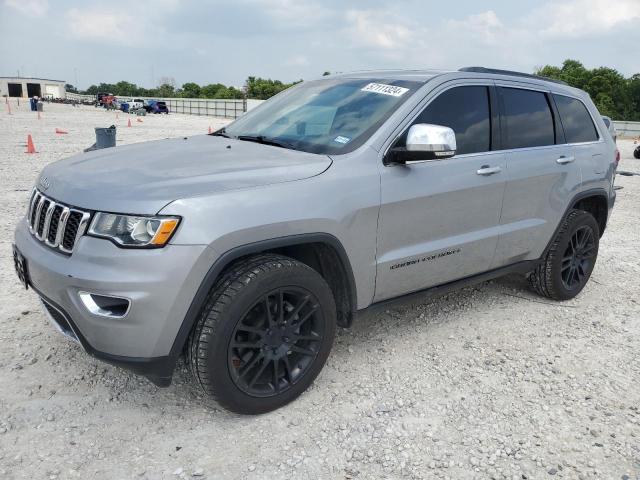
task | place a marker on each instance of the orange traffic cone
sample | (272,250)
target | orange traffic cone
(30,147)
(61,132)
(129,123)
(209,129)
(139,120)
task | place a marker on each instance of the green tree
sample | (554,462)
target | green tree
(261,89)
(634,96)
(614,95)
(166,91)
(70,88)
(211,90)
(125,89)
(191,90)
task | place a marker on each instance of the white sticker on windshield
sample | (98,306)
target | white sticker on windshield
(341,139)
(385,89)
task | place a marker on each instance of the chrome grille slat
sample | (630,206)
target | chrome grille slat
(36,201)
(79,226)
(62,225)
(47,221)
(65,234)
(41,219)
(32,206)
(36,221)
(54,223)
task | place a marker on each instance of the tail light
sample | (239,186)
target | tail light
(617,157)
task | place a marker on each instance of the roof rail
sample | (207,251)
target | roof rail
(511,73)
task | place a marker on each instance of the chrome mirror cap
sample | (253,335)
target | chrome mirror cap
(436,139)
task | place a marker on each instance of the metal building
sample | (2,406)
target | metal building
(30,87)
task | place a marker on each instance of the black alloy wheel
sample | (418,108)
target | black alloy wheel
(578,258)
(275,342)
(565,268)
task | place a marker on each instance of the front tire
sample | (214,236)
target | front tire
(567,266)
(263,335)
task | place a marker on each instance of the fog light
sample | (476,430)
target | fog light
(105,305)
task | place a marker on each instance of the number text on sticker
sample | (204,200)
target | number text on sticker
(385,89)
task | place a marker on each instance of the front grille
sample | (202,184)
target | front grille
(56,224)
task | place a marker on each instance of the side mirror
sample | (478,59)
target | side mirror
(425,142)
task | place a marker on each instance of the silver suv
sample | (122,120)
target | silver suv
(244,249)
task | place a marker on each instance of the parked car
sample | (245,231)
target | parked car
(160,107)
(636,152)
(136,103)
(148,105)
(101,97)
(249,246)
(611,127)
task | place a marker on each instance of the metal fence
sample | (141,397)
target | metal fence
(80,98)
(224,108)
(200,106)
(627,129)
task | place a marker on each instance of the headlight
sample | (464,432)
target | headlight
(134,231)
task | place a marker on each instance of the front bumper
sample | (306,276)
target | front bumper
(159,283)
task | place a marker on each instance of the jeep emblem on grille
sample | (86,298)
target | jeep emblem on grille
(44,183)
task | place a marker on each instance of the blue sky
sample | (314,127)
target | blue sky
(143,41)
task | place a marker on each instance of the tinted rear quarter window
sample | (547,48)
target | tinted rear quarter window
(466,111)
(528,118)
(576,121)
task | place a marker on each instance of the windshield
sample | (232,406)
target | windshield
(331,116)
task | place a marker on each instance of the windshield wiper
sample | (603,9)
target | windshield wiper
(265,141)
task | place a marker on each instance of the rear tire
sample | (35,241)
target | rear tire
(568,264)
(263,335)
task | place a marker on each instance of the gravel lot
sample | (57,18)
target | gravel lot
(489,382)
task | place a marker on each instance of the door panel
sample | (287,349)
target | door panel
(538,189)
(542,174)
(439,221)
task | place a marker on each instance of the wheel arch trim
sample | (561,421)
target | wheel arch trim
(592,192)
(235,253)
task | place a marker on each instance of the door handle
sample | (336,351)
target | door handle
(487,170)
(564,160)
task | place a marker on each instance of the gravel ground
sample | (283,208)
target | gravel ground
(488,382)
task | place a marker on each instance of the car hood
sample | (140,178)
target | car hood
(144,177)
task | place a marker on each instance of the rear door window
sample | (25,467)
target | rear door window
(528,119)
(576,121)
(466,111)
